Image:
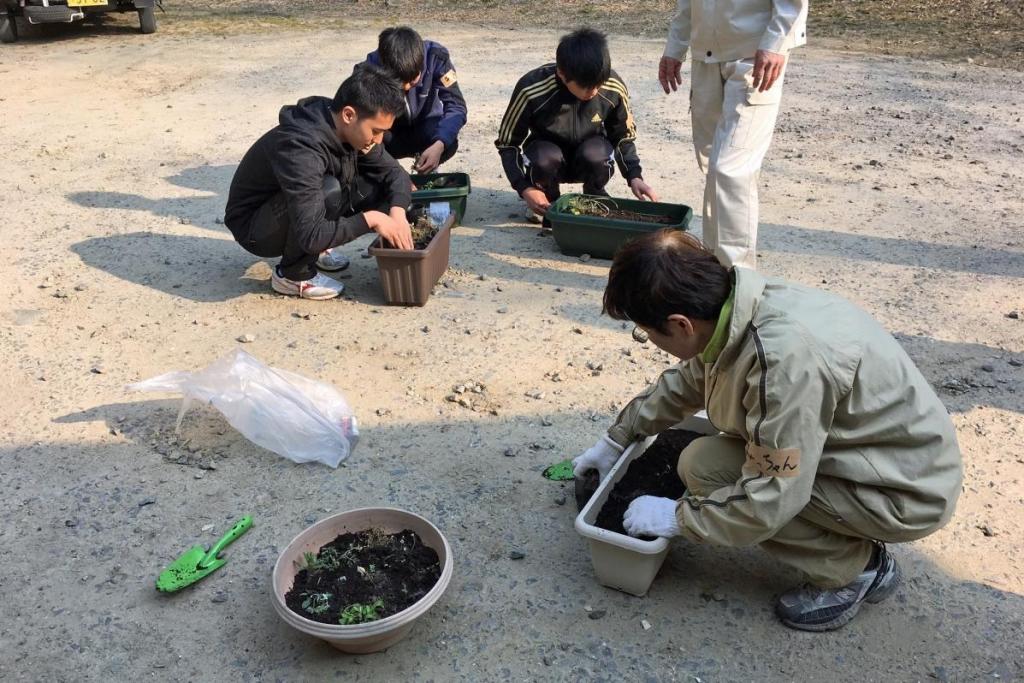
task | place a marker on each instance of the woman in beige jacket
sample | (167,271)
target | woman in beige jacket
(831,443)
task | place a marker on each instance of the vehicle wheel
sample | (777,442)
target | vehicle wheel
(147,19)
(8,27)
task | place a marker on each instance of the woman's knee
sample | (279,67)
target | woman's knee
(711,462)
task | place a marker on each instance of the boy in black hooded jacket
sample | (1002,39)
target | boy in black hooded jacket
(321,178)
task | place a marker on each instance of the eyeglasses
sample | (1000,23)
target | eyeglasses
(639,335)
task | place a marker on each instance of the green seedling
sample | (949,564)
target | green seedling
(329,560)
(359,613)
(437,183)
(316,603)
(309,562)
(588,206)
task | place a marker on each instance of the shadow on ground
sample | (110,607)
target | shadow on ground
(106,516)
(966,376)
(202,210)
(896,251)
(196,268)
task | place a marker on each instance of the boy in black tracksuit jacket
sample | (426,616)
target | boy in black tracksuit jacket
(435,110)
(319,179)
(570,122)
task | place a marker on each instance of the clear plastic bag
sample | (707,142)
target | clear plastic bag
(299,418)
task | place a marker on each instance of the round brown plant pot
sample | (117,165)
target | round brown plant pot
(372,636)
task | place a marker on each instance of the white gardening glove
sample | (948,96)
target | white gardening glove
(602,456)
(651,516)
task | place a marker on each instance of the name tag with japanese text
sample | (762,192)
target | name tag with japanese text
(770,462)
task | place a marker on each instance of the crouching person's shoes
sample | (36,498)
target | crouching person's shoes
(332,261)
(825,609)
(318,287)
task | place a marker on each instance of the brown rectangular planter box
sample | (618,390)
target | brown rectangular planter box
(408,275)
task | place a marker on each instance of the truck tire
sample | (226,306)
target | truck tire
(147,19)
(8,27)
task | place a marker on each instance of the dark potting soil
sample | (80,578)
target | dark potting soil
(637,217)
(364,576)
(651,474)
(423,230)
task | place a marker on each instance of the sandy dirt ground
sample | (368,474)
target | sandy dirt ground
(893,182)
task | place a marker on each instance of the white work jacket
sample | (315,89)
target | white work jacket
(727,30)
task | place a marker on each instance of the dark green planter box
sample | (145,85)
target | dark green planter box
(455,196)
(601,237)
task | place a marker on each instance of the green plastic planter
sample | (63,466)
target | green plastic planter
(456,195)
(601,237)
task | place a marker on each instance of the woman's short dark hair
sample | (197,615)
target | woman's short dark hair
(370,90)
(401,52)
(583,57)
(664,273)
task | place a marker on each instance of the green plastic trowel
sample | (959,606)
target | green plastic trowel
(560,471)
(197,562)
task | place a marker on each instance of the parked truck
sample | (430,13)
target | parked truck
(67,11)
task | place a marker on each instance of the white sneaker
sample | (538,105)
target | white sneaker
(332,261)
(534,217)
(320,287)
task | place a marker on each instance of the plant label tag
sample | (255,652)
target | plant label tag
(439,211)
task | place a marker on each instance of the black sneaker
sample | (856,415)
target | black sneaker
(825,609)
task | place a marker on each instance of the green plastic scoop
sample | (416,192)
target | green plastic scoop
(560,471)
(197,562)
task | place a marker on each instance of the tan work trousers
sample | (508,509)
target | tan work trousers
(831,550)
(732,130)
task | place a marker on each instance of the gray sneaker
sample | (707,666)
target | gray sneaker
(319,287)
(825,609)
(332,261)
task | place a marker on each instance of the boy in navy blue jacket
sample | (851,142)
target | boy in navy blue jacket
(435,110)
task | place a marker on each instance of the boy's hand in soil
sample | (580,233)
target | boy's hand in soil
(536,201)
(669,74)
(642,190)
(398,213)
(602,456)
(392,231)
(430,158)
(651,516)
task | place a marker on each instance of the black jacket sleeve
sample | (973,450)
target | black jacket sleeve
(300,168)
(380,168)
(622,132)
(515,126)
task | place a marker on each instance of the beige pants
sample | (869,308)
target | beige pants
(830,549)
(732,130)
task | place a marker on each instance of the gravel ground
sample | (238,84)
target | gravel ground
(894,182)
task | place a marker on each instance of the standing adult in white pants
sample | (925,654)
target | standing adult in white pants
(739,50)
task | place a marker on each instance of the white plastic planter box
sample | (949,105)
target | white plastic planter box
(623,562)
